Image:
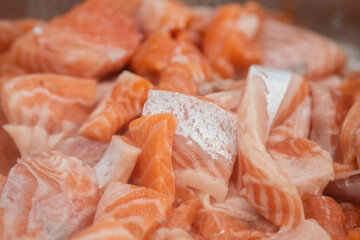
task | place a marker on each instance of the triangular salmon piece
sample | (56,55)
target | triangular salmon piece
(107,229)
(118,162)
(138,209)
(204,147)
(305,163)
(154,134)
(98,49)
(231,40)
(296,49)
(164,16)
(47,195)
(270,96)
(117,109)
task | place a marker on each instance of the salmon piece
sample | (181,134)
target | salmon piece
(11,30)
(328,214)
(329,109)
(270,96)
(219,225)
(103,90)
(53,102)
(72,45)
(348,134)
(107,229)
(228,100)
(231,41)
(118,109)
(118,162)
(154,134)
(47,196)
(175,65)
(219,85)
(346,189)
(297,125)
(138,209)
(164,16)
(354,234)
(296,49)
(84,149)
(352,215)
(305,163)
(204,147)
(306,229)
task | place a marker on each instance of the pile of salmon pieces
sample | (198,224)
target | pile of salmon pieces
(150,119)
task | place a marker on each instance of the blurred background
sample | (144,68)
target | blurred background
(338,19)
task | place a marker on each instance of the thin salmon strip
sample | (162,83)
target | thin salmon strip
(85,149)
(138,209)
(204,147)
(107,229)
(348,133)
(57,103)
(117,109)
(328,214)
(164,15)
(11,30)
(296,49)
(73,45)
(297,125)
(118,162)
(154,134)
(306,164)
(269,96)
(231,40)
(174,64)
(47,196)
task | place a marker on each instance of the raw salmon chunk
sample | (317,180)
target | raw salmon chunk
(288,47)
(154,134)
(328,214)
(164,15)
(47,196)
(204,147)
(231,40)
(73,45)
(305,163)
(307,229)
(269,97)
(138,209)
(118,162)
(117,109)
(107,229)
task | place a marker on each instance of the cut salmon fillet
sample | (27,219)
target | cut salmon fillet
(119,108)
(297,125)
(154,134)
(56,103)
(292,48)
(270,96)
(305,163)
(47,196)
(164,16)
(11,30)
(174,64)
(138,209)
(72,45)
(107,229)
(118,162)
(231,40)
(84,149)
(228,100)
(328,214)
(204,147)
